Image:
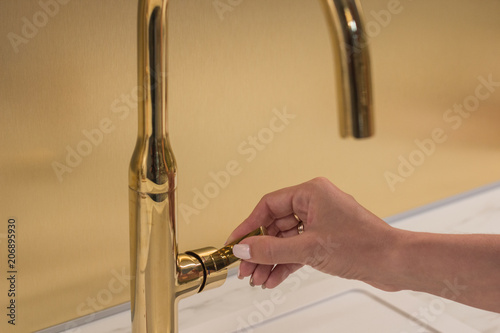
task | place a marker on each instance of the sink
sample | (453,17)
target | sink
(310,301)
(351,311)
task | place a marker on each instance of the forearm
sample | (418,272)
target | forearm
(463,268)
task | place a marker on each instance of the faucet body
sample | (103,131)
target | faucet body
(160,275)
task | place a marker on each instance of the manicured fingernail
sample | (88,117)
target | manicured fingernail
(242,251)
(263,286)
(251,282)
(239,274)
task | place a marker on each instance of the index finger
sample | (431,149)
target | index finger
(274,206)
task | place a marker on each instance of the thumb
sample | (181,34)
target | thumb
(270,250)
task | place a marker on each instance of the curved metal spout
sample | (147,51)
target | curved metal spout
(353,70)
(160,275)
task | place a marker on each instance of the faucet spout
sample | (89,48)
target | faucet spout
(161,276)
(355,99)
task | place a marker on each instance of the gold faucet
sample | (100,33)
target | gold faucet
(160,275)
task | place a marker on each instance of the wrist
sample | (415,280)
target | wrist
(411,262)
(391,269)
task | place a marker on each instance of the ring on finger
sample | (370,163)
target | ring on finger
(300,226)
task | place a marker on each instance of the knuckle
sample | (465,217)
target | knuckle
(321,182)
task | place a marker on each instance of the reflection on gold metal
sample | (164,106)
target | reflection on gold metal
(215,261)
(160,275)
(353,68)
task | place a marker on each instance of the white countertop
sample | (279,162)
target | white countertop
(310,301)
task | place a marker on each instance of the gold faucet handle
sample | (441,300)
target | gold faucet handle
(216,262)
(226,253)
(261,231)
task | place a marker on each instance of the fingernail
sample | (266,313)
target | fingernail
(251,282)
(263,286)
(242,251)
(239,274)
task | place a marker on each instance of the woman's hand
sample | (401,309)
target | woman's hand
(340,237)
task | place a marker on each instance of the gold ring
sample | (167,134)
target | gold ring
(300,228)
(296,217)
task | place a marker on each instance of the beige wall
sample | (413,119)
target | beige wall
(227,75)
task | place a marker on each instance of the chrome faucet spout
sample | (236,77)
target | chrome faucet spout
(160,275)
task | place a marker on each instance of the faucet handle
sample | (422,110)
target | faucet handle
(226,253)
(260,231)
(216,262)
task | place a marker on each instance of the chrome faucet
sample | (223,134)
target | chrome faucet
(160,275)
